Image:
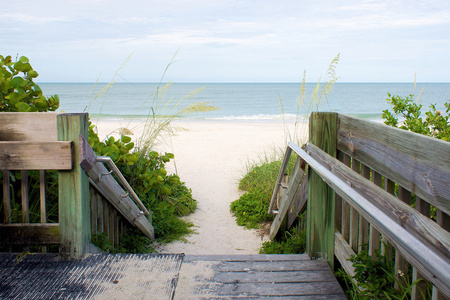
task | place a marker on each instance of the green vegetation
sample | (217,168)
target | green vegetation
(18,92)
(436,124)
(375,278)
(291,242)
(164,194)
(251,208)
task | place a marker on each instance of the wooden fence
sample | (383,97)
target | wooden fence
(372,187)
(33,143)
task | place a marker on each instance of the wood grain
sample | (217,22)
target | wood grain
(15,126)
(35,234)
(418,163)
(36,155)
(422,242)
(320,227)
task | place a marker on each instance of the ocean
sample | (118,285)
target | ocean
(238,101)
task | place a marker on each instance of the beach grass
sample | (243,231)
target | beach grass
(260,179)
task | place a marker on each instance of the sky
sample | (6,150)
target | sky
(229,41)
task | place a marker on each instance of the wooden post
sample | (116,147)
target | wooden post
(74,196)
(321,206)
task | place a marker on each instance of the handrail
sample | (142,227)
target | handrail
(433,263)
(113,167)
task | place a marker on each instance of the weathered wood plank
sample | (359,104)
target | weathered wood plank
(346,160)
(275,276)
(6,197)
(15,126)
(42,197)
(423,207)
(248,257)
(269,266)
(343,252)
(298,204)
(36,155)
(22,234)
(113,193)
(24,197)
(354,216)
(419,163)
(375,236)
(281,174)
(443,219)
(283,289)
(418,291)
(93,211)
(280,221)
(320,228)
(74,207)
(392,216)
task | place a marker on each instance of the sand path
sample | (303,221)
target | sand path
(211,158)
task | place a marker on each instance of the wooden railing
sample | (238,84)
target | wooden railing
(51,141)
(363,199)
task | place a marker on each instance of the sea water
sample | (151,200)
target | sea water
(237,101)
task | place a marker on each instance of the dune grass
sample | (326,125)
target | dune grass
(260,178)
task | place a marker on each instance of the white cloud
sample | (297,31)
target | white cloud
(234,36)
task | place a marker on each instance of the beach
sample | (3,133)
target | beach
(211,157)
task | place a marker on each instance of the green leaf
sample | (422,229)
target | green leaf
(33,74)
(125,139)
(17,82)
(129,146)
(22,107)
(24,59)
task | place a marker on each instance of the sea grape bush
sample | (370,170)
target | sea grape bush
(436,124)
(18,92)
(165,195)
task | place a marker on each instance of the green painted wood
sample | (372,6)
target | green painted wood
(74,195)
(321,204)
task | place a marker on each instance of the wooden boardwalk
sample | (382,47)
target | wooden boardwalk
(167,276)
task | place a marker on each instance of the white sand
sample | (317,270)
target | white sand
(211,157)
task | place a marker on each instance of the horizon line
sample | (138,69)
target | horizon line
(230,82)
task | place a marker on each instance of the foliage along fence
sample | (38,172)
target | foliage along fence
(362,179)
(51,141)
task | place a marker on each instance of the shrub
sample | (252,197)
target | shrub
(436,124)
(18,92)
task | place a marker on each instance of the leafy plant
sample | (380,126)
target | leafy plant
(291,242)
(375,279)
(251,208)
(18,92)
(165,195)
(436,124)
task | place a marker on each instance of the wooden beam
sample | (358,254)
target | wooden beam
(298,204)
(16,126)
(280,221)
(6,197)
(74,196)
(416,162)
(36,155)
(422,242)
(105,183)
(320,228)
(24,234)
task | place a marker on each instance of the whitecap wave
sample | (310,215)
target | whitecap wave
(260,117)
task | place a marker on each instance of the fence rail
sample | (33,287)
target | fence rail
(388,189)
(30,145)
